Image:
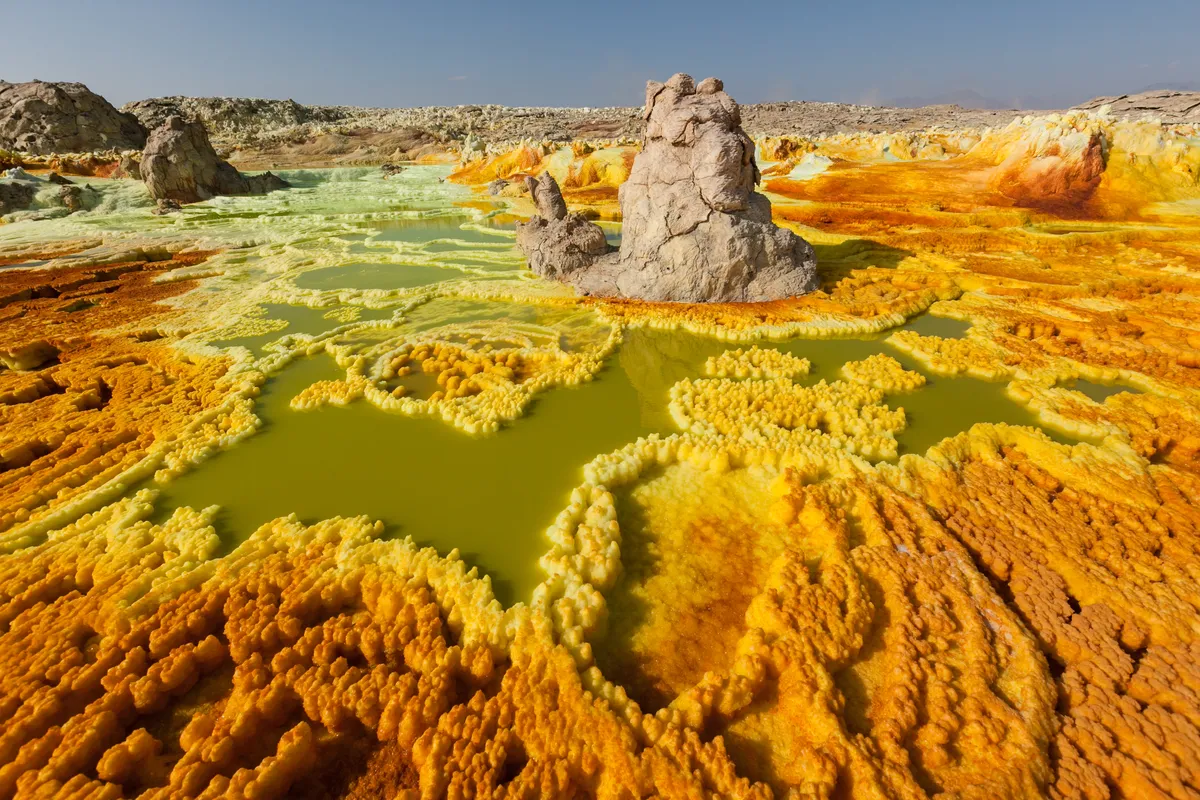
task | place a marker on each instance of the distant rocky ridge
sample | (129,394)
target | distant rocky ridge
(266,133)
(41,118)
(237,124)
(1165,104)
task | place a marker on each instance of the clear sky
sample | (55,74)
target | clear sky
(535,52)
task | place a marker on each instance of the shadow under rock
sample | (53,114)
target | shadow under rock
(836,261)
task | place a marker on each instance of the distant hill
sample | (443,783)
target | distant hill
(969,98)
(1173,86)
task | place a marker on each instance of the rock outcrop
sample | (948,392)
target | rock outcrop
(232,116)
(559,245)
(1164,104)
(42,197)
(43,118)
(179,165)
(695,230)
(15,196)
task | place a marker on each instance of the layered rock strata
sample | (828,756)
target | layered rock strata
(179,165)
(1164,104)
(695,230)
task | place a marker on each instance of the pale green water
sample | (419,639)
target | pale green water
(1099,391)
(301,320)
(376,276)
(946,328)
(490,496)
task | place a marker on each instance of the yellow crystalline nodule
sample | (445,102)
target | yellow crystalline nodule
(344,314)
(756,362)
(883,372)
(951,356)
(841,413)
(484,374)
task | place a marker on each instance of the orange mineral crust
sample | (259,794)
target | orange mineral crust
(589,174)
(94,165)
(992,621)
(310,662)
(1105,582)
(79,407)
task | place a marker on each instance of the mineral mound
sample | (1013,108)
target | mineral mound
(695,231)
(43,118)
(179,165)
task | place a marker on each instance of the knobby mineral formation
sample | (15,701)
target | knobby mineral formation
(695,231)
(179,165)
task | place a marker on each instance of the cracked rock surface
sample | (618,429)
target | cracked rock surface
(695,231)
(1165,104)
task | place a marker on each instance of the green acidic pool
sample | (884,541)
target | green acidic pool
(492,497)
(1099,391)
(376,276)
(300,320)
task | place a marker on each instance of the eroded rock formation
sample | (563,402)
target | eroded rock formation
(15,196)
(695,230)
(42,118)
(559,245)
(22,192)
(1165,104)
(179,165)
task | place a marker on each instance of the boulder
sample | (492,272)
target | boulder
(15,196)
(44,118)
(694,228)
(265,182)
(128,167)
(43,197)
(558,245)
(71,197)
(180,165)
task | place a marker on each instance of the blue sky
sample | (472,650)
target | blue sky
(532,52)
